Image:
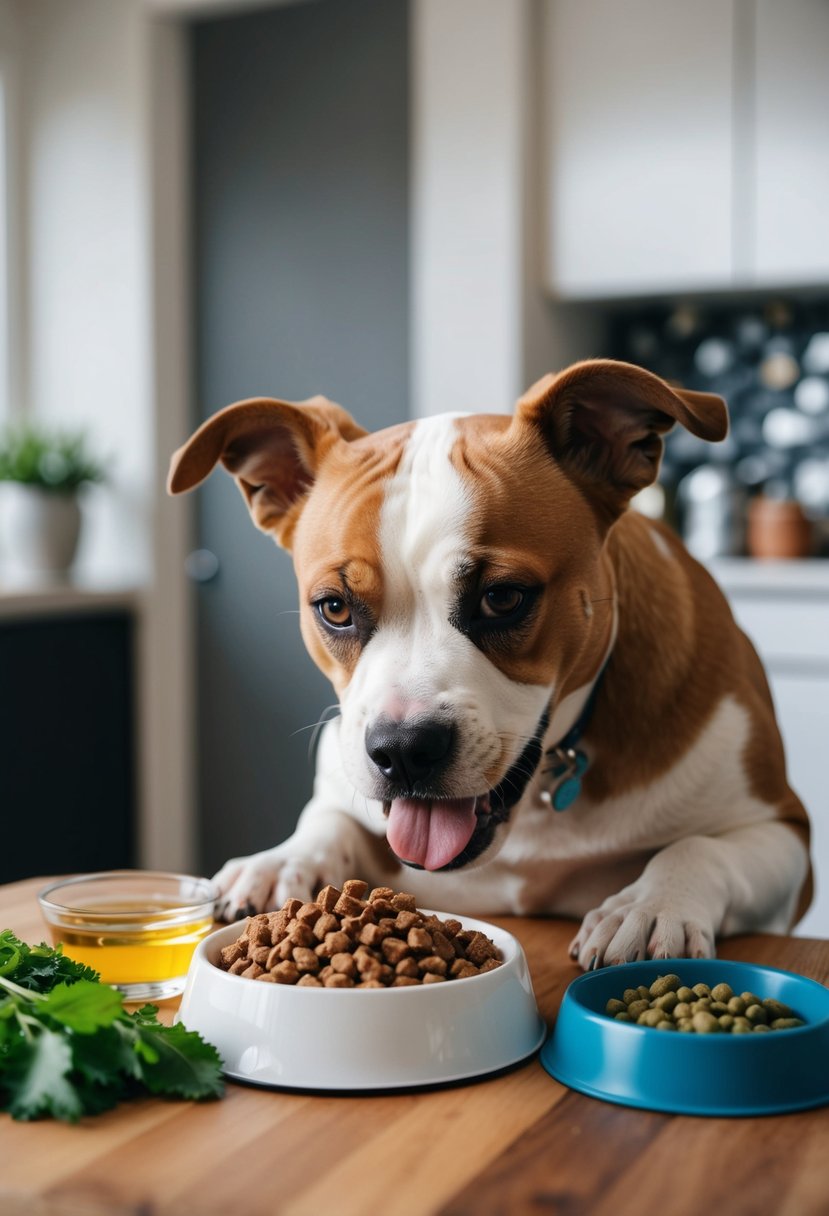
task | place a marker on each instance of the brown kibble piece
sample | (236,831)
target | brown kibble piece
(279,953)
(404,921)
(231,953)
(305,959)
(443,946)
(461,969)
(408,966)
(259,954)
(285,972)
(433,965)
(490,964)
(404,902)
(266,977)
(355,887)
(420,940)
(258,931)
(452,927)
(327,923)
(239,966)
(404,981)
(373,935)
(291,907)
(385,893)
(479,949)
(393,950)
(384,907)
(302,935)
(309,914)
(372,983)
(346,905)
(328,897)
(338,980)
(344,964)
(432,977)
(252,971)
(308,981)
(334,943)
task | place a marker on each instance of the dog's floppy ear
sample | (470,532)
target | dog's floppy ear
(603,422)
(272,448)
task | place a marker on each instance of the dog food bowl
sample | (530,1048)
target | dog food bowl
(337,1039)
(138,929)
(693,1074)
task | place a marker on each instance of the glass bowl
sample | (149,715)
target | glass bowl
(347,1040)
(693,1074)
(136,927)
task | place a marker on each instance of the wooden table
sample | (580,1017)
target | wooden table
(516,1143)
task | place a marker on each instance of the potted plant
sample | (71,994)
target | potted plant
(41,471)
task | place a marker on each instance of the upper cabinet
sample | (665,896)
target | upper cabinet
(791,132)
(687,143)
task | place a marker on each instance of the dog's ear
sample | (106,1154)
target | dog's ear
(272,448)
(603,422)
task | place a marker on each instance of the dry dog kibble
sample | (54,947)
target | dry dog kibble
(347,939)
(671,1005)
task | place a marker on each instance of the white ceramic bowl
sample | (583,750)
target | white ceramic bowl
(364,1039)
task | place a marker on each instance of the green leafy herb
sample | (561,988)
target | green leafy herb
(69,1048)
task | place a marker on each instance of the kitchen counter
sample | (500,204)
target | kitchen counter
(515,1143)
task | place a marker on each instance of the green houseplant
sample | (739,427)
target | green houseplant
(41,471)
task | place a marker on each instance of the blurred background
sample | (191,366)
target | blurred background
(410,206)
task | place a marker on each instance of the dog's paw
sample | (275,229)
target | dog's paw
(634,925)
(264,881)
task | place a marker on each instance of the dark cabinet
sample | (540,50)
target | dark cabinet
(67,769)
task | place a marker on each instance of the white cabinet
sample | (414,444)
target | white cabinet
(792,142)
(687,145)
(640,144)
(784,608)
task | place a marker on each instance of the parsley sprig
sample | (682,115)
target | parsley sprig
(69,1048)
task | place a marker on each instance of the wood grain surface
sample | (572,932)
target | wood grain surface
(512,1144)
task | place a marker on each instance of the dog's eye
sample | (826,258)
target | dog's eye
(501,601)
(335,612)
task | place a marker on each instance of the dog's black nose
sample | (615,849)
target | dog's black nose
(411,753)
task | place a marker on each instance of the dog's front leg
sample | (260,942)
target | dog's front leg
(330,844)
(694,890)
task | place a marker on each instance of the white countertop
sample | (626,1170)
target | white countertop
(744,575)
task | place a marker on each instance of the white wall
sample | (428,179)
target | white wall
(102,311)
(482,325)
(85,255)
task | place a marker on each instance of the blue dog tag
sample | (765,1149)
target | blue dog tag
(566,793)
(568,790)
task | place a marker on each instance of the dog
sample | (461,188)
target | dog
(546,707)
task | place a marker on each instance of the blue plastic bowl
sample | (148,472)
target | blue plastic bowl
(692,1074)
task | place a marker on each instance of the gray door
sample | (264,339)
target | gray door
(300,120)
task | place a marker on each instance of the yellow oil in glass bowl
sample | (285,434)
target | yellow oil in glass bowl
(138,929)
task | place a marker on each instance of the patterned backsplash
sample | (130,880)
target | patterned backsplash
(771,364)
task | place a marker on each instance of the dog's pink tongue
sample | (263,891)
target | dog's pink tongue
(430,834)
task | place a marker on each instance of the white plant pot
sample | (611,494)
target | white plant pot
(39,529)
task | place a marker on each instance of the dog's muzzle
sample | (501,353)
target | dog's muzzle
(425,829)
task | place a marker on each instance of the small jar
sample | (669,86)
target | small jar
(778,528)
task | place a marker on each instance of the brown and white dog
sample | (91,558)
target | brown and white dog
(506,639)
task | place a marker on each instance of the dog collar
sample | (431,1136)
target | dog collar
(568,763)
